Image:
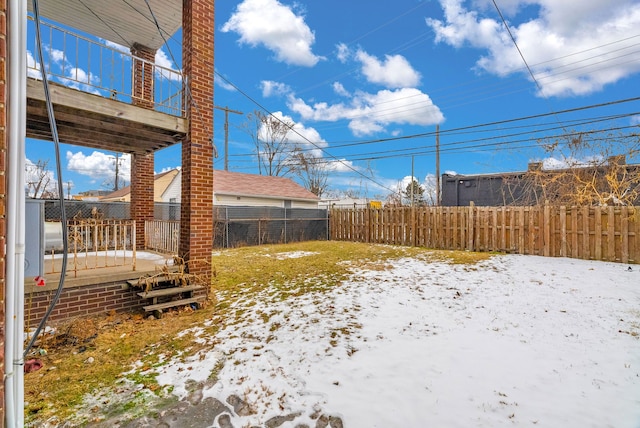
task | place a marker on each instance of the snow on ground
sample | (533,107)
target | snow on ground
(513,341)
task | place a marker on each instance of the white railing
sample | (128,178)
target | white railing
(96,243)
(162,236)
(99,67)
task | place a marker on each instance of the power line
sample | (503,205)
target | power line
(300,135)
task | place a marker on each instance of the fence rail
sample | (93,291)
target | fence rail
(597,233)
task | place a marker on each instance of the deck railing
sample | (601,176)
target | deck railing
(162,236)
(96,243)
(100,67)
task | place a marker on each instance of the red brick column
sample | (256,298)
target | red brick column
(196,215)
(142,163)
(3,189)
(141,193)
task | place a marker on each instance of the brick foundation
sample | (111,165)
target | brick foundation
(81,302)
(84,301)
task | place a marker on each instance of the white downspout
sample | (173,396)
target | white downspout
(14,285)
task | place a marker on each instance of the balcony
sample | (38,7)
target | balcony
(91,86)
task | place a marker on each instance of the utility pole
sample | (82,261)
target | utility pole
(116,187)
(68,189)
(412,181)
(437,165)
(226,110)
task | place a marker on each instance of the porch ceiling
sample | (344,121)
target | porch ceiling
(120,21)
(89,120)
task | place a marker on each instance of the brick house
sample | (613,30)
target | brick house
(126,119)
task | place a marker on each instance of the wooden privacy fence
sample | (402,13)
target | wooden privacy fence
(598,233)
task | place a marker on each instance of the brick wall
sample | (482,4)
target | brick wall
(3,157)
(143,75)
(81,301)
(142,163)
(142,205)
(87,300)
(196,221)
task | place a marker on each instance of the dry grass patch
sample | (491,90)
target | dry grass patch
(96,352)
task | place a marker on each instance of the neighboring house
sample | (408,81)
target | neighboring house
(235,189)
(161,182)
(526,187)
(481,189)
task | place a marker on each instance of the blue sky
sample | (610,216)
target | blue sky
(367,82)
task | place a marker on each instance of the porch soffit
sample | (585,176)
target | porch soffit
(89,120)
(120,21)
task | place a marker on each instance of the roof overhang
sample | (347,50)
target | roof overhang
(122,22)
(90,120)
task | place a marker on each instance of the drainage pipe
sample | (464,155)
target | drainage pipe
(15,193)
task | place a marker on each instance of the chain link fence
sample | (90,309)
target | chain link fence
(233,226)
(246,226)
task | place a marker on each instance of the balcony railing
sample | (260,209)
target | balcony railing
(99,67)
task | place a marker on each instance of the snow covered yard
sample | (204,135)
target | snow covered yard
(511,341)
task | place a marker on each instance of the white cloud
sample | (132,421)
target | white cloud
(163,60)
(99,165)
(275,26)
(33,67)
(343,52)
(552,163)
(574,47)
(271,88)
(36,176)
(306,138)
(369,113)
(341,165)
(115,46)
(394,72)
(635,120)
(339,89)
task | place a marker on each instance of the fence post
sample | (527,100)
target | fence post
(624,234)
(226,225)
(133,242)
(413,225)
(547,229)
(563,231)
(285,225)
(470,226)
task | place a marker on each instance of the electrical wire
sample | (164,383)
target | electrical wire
(63,216)
(300,135)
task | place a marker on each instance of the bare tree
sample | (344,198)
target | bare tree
(40,181)
(272,146)
(587,169)
(313,171)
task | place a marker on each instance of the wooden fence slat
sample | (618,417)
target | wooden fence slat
(611,234)
(563,231)
(598,233)
(624,235)
(580,232)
